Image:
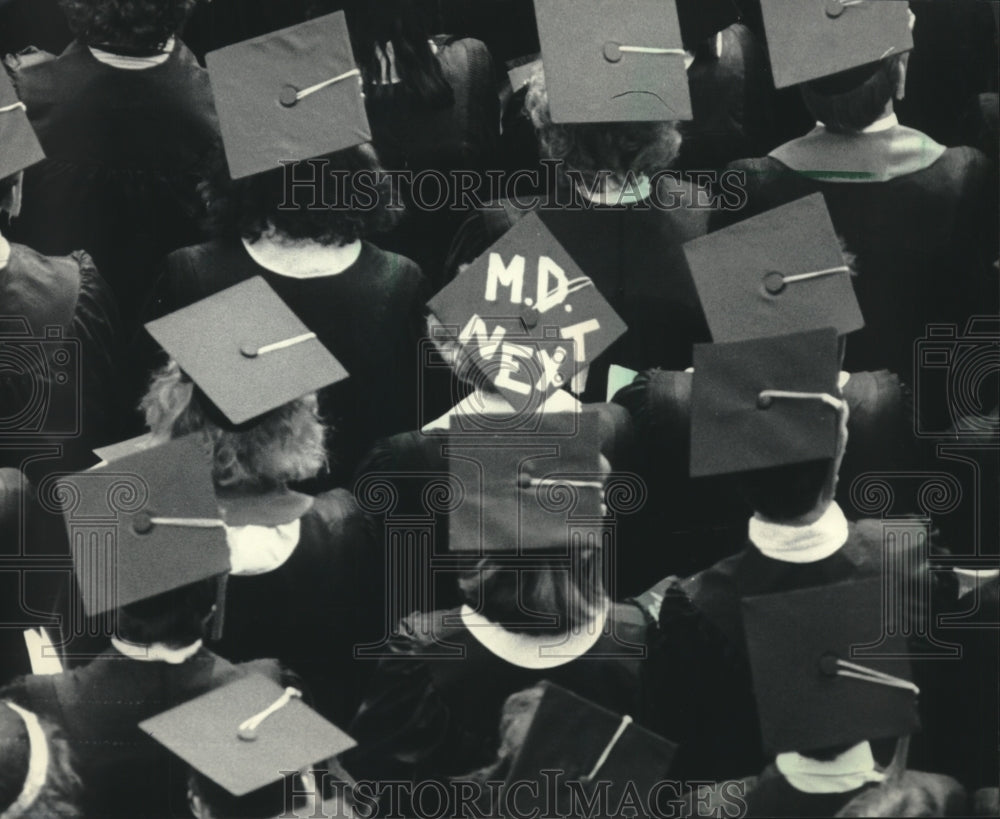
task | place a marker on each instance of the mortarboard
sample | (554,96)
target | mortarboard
(808,39)
(112,452)
(812,690)
(700,19)
(167,531)
(780,272)
(520,493)
(290,95)
(601,747)
(19,147)
(764,403)
(528,314)
(613,60)
(246,350)
(244,735)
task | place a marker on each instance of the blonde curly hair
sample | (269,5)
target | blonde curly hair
(282,446)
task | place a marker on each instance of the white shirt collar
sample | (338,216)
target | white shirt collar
(302,259)
(157,652)
(851,770)
(134,63)
(533,651)
(261,549)
(629,195)
(801,544)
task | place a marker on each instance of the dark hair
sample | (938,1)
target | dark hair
(512,595)
(7,184)
(175,618)
(375,23)
(785,492)
(827,754)
(133,25)
(264,803)
(623,148)
(330,211)
(852,100)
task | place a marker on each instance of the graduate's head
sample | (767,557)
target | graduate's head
(10,194)
(625,150)
(176,618)
(852,100)
(784,494)
(547,593)
(139,26)
(210,801)
(284,445)
(36,771)
(333,200)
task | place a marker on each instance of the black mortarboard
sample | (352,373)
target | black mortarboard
(245,735)
(780,272)
(165,519)
(814,688)
(290,95)
(246,350)
(613,60)
(520,493)
(700,19)
(19,147)
(528,313)
(764,403)
(808,39)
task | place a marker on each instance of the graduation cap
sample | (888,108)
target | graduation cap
(700,19)
(112,452)
(168,531)
(19,147)
(246,350)
(244,735)
(613,60)
(764,403)
(812,690)
(527,313)
(780,272)
(520,493)
(290,95)
(808,39)
(601,746)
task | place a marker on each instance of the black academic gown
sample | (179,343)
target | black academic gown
(429,717)
(311,611)
(125,151)
(699,662)
(370,316)
(68,402)
(633,254)
(98,707)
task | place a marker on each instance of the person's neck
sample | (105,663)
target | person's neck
(807,519)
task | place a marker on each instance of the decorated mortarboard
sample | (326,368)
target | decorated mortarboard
(601,747)
(19,147)
(809,39)
(244,735)
(701,19)
(527,314)
(780,272)
(246,350)
(287,96)
(522,493)
(764,403)
(613,60)
(818,679)
(159,506)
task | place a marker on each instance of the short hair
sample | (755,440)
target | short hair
(621,148)
(788,492)
(349,199)
(265,803)
(284,445)
(567,586)
(61,794)
(850,101)
(139,25)
(175,618)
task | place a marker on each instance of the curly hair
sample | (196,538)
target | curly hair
(588,149)
(333,199)
(282,446)
(132,25)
